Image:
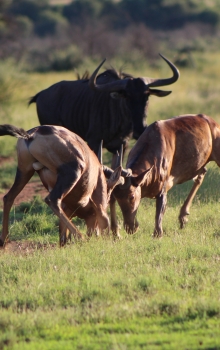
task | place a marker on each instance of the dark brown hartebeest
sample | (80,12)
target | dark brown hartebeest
(69,170)
(169,152)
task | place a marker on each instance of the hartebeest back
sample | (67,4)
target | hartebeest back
(69,170)
(169,152)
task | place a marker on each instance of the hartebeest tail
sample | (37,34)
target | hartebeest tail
(70,172)
(12,130)
(169,152)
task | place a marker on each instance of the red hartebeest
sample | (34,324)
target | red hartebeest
(169,152)
(69,170)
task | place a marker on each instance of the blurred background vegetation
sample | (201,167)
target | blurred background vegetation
(58,35)
(45,41)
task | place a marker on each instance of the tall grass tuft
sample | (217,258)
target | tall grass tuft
(11,79)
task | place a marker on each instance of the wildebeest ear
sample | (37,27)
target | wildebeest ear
(141,178)
(159,93)
(115,178)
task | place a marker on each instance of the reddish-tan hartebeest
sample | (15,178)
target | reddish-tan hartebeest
(169,152)
(69,170)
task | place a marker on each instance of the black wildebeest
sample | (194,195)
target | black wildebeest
(109,107)
(168,152)
(69,170)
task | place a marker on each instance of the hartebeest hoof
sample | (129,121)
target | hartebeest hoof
(157,234)
(117,237)
(183,218)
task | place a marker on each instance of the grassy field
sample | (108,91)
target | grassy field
(136,293)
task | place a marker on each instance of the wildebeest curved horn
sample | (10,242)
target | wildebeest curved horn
(152,82)
(109,87)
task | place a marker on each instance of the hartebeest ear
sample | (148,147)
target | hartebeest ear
(159,93)
(115,179)
(140,179)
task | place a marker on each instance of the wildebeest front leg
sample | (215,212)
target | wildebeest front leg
(184,211)
(21,179)
(161,201)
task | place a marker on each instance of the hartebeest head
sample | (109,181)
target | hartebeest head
(128,197)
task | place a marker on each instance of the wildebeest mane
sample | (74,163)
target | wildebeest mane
(108,75)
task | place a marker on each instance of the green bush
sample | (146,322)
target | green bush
(11,77)
(48,23)
(48,59)
(65,60)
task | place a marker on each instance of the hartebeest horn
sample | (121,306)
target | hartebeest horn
(119,157)
(108,171)
(152,82)
(124,172)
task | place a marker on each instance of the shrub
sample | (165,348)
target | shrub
(11,77)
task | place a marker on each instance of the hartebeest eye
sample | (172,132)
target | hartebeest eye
(131,197)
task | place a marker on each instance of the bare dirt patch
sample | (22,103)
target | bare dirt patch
(31,190)
(27,247)
(4,160)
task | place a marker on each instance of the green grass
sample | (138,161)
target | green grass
(136,293)
(156,293)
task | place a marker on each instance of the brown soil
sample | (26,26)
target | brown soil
(27,247)
(33,188)
(4,160)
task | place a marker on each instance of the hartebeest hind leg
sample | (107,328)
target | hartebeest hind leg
(21,179)
(66,180)
(64,233)
(161,201)
(184,211)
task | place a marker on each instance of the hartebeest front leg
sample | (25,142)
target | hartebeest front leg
(21,179)
(184,211)
(113,218)
(112,203)
(161,201)
(55,205)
